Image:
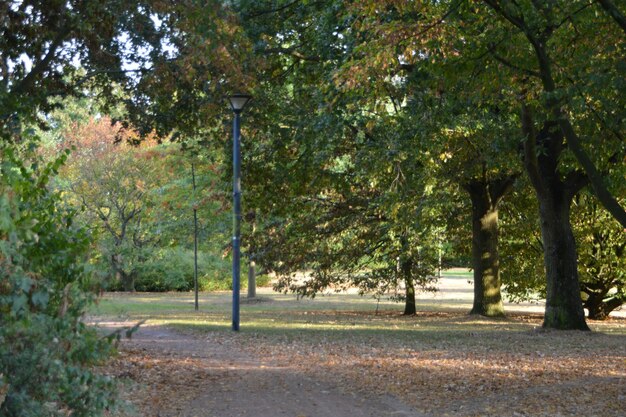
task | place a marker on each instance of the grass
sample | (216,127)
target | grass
(435,361)
(336,316)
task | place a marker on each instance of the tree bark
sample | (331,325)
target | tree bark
(564,308)
(405,270)
(409,303)
(599,308)
(127,280)
(485,196)
(252,279)
(195,239)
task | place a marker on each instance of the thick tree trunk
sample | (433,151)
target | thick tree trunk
(485,196)
(485,260)
(127,280)
(564,308)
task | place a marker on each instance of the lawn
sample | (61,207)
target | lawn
(440,362)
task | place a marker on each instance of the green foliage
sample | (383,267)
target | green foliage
(138,201)
(171,269)
(602,258)
(46,353)
(601,261)
(165,61)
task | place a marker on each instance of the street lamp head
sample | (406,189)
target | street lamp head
(239,101)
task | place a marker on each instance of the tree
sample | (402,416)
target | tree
(113,182)
(541,24)
(558,106)
(127,52)
(45,289)
(600,251)
(374,54)
(462,33)
(602,258)
(331,207)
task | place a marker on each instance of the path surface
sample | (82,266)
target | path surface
(238,384)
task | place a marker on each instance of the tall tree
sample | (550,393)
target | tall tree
(113,182)
(453,105)
(601,243)
(463,33)
(567,89)
(338,209)
(545,26)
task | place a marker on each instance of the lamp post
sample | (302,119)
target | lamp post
(237,103)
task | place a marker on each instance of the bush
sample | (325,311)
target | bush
(171,269)
(46,352)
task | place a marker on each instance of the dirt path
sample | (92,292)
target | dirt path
(184,375)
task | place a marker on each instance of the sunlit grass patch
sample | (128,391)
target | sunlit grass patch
(343,315)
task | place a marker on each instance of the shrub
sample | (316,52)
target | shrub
(171,269)
(46,352)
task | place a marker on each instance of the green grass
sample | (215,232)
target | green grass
(331,317)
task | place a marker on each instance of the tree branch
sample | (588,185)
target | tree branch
(574,182)
(526,71)
(269,11)
(530,150)
(292,52)
(606,198)
(615,13)
(42,65)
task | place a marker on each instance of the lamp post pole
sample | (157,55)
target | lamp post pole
(237,102)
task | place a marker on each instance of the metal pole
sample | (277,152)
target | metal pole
(195,238)
(236,219)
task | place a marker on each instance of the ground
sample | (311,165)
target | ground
(343,355)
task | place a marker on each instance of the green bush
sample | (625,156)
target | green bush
(171,269)
(46,353)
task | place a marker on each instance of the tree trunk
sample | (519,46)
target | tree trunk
(195,239)
(405,271)
(564,308)
(127,280)
(251,279)
(485,261)
(409,304)
(485,196)
(599,308)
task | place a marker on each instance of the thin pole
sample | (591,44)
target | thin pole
(236,219)
(195,237)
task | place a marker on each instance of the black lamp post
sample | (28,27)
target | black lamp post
(237,103)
